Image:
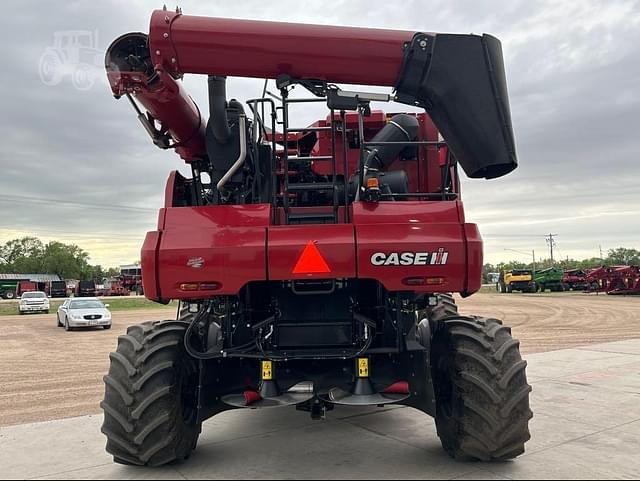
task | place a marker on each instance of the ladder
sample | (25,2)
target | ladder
(323,216)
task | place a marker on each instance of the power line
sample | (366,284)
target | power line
(57,202)
(68,234)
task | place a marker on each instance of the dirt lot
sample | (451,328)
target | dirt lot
(49,374)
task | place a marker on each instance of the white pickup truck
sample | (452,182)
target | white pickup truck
(34,302)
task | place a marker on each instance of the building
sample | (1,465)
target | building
(30,277)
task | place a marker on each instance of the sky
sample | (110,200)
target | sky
(76,166)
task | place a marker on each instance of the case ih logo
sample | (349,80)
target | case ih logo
(196,262)
(439,257)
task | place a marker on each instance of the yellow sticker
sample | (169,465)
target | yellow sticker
(363,367)
(267,371)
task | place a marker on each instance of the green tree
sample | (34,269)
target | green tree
(22,256)
(112,272)
(623,256)
(65,260)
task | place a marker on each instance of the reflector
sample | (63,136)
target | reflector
(311,261)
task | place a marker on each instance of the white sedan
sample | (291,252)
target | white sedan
(84,312)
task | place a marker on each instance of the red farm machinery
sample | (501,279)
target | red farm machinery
(614,280)
(315,265)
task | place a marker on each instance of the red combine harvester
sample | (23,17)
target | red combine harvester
(114,287)
(576,279)
(131,278)
(314,265)
(626,281)
(615,280)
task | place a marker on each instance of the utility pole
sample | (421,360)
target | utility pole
(601,258)
(552,243)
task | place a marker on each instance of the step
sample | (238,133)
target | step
(311,187)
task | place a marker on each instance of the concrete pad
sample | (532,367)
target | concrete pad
(586,425)
(621,347)
(606,455)
(623,379)
(588,405)
(333,448)
(559,364)
(55,447)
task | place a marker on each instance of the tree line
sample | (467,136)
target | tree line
(621,256)
(29,255)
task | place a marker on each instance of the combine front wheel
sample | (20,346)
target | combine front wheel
(150,402)
(482,395)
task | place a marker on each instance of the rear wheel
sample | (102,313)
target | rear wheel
(9,295)
(446,307)
(482,394)
(150,402)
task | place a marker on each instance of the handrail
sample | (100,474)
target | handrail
(241,158)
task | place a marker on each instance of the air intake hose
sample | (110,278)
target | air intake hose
(401,128)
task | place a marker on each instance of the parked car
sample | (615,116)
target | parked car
(84,312)
(34,301)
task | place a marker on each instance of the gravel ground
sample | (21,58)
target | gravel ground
(51,374)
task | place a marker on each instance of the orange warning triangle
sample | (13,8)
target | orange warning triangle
(311,261)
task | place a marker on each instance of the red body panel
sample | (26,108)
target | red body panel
(409,212)
(234,245)
(412,238)
(418,227)
(150,265)
(475,258)
(224,245)
(336,244)
(247,48)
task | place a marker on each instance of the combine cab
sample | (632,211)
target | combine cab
(315,264)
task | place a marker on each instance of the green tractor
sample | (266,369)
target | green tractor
(551,279)
(8,288)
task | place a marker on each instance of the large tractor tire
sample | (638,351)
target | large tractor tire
(482,394)
(150,403)
(445,308)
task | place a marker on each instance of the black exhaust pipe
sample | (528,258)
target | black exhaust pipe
(218,108)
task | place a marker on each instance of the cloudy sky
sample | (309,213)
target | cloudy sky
(76,166)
